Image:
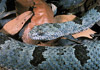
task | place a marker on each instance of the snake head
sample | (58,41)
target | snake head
(50,31)
(47,31)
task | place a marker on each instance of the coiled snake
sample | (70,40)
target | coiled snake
(16,55)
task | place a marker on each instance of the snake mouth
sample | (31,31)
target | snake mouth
(44,37)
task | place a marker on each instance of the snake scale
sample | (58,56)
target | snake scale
(15,55)
(51,31)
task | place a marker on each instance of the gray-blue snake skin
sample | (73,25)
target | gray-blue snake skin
(15,55)
(51,31)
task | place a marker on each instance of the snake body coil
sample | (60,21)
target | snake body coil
(19,56)
(16,55)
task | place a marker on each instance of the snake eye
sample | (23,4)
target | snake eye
(57,26)
(40,33)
